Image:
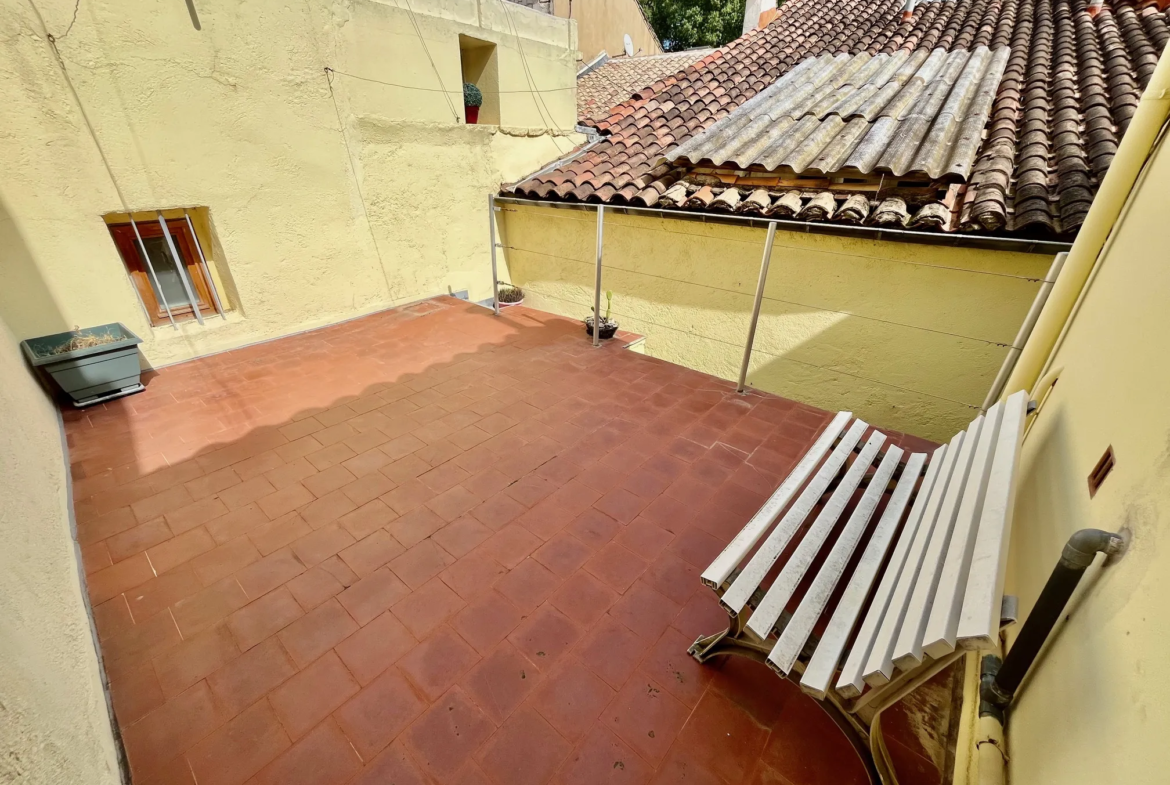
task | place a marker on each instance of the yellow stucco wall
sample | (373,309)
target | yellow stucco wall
(907,336)
(54,724)
(603,24)
(1096,707)
(237,117)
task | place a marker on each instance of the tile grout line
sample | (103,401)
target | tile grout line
(644,656)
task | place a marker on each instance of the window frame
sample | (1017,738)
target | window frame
(131,253)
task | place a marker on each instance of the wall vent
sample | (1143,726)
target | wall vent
(1101,471)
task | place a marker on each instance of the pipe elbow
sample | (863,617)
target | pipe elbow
(992,700)
(1085,544)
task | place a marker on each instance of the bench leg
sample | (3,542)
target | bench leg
(858,740)
(729,641)
(732,642)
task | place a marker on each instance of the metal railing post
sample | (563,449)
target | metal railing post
(597,280)
(492,234)
(751,336)
(1013,355)
(180,268)
(150,268)
(203,263)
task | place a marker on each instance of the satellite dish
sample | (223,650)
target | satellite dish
(629,44)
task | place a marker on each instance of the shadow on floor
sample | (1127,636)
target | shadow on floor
(431,545)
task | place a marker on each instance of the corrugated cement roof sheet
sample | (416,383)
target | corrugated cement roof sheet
(905,113)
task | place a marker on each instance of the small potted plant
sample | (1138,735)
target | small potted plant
(507,294)
(608,327)
(90,365)
(472,101)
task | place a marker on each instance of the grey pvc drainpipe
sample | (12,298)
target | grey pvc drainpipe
(1009,362)
(948,239)
(1000,680)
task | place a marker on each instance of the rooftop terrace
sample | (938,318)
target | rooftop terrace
(430,545)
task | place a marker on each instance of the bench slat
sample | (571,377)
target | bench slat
(939,638)
(780,592)
(908,651)
(738,548)
(812,605)
(850,683)
(979,620)
(741,589)
(879,668)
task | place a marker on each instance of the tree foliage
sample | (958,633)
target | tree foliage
(686,24)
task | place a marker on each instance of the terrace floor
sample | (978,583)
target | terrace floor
(430,545)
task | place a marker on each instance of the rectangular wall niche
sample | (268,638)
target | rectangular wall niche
(480,66)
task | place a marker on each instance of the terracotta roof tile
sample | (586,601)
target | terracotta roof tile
(602,88)
(1069,89)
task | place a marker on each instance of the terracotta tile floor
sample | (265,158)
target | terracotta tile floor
(435,546)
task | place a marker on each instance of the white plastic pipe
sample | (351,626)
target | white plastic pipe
(1026,327)
(1132,153)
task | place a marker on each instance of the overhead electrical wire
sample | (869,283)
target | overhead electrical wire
(435,90)
(390,292)
(537,97)
(435,68)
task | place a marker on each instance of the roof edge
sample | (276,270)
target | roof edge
(951,239)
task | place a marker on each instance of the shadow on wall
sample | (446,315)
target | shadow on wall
(25,297)
(54,714)
(909,346)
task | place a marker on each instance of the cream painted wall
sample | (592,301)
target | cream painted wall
(1096,708)
(238,117)
(603,24)
(54,723)
(907,336)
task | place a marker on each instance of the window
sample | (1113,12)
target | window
(165,287)
(479,64)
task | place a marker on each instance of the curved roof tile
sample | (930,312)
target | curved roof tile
(1025,104)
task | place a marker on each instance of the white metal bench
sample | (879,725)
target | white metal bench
(927,586)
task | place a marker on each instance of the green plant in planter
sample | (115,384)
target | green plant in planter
(607,326)
(472,95)
(507,294)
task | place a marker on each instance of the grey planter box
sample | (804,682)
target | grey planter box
(92,374)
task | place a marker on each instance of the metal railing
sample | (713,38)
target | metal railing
(993,394)
(181,269)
